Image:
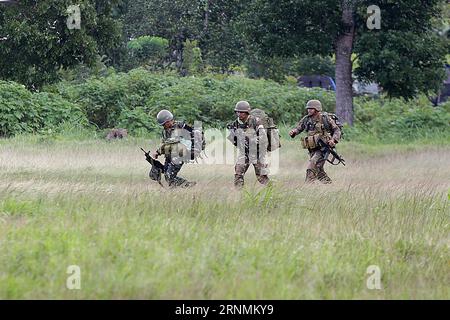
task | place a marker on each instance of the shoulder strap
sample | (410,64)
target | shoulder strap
(232,125)
(253,122)
(302,120)
(324,120)
(163,134)
(180,124)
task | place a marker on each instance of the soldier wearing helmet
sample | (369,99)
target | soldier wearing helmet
(317,125)
(247,133)
(172,148)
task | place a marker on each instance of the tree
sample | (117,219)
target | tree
(149,51)
(404,56)
(36,42)
(277,68)
(222,45)
(176,20)
(192,62)
(210,22)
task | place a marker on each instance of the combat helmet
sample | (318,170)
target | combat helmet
(242,106)
(164,116)
(314,104)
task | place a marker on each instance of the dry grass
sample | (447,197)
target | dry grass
(91,203)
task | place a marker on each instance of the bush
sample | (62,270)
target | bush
(396,119)
(24,112)
(136,97)
(148,51)
(137,121)
(132,100)
(54,111)
(276,68)
(212,101)
(111,102)
(103,100)
(192,58)
(17,110)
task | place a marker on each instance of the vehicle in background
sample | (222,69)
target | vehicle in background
(371,89)
(317,81)
(327,83)
(444,92)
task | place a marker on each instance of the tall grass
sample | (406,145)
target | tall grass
(90,203)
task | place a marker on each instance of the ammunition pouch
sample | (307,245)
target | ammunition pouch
(174,148)
(310,142)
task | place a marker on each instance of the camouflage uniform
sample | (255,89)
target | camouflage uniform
(175,153)
(317,127)
(251,140)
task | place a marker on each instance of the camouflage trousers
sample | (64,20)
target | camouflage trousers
(261,171)
(171,175)
(315,170)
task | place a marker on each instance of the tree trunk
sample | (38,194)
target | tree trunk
(178,53)
(206,21)
(344,81)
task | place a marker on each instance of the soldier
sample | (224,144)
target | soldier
(318,126)
(172,148)
(247,133)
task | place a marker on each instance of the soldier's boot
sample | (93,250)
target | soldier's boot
(171,176)
(311,175)
(188,184)
(180,182)
(238,181)
(175,181)
(323,177)
(263,179)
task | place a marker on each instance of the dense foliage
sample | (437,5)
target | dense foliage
(210,99)
(132,100)
(36,41)
(24,112)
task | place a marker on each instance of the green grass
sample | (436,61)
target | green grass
(89,203)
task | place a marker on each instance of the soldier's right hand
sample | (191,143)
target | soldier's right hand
(292,133)
(155,155)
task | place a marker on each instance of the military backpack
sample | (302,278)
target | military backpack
(273,134)
(327,124)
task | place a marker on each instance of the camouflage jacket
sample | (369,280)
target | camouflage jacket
(250,133)
(173,136)
(322,125)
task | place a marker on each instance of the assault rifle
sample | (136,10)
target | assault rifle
(157,167)
(327,150)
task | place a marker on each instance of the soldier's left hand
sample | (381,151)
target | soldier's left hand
(331,143)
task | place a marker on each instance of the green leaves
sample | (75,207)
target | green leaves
(383,60)
(397,119)
(192,62)
(23,112)
(404,57)
(147,50)
(120,99)
(132,101)
(39,43)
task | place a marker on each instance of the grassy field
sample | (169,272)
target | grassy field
(90,203)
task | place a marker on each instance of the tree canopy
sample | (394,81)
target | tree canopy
(35,41)
(405,56)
